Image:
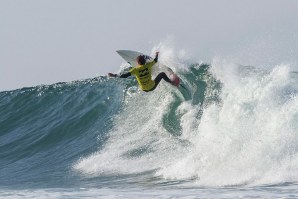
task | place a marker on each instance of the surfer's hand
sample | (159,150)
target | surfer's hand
(112,75)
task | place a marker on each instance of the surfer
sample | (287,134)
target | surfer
(143,73)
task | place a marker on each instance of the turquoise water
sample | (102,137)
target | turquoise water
(232,132)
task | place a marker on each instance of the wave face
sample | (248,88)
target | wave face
(230,126)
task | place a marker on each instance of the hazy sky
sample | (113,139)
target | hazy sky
(48,41)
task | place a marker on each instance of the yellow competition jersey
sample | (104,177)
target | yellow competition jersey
(143,74)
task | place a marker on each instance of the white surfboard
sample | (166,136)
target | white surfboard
(131,57)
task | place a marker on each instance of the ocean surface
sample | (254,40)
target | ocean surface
(232,132)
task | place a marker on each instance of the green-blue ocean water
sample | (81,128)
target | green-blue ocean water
(235,130)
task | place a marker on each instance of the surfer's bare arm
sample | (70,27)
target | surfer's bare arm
(124,75)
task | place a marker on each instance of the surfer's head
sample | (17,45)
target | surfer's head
(141,60)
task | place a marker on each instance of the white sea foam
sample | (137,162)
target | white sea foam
(130,193)
(250,137)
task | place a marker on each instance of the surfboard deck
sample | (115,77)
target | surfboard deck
(131,57)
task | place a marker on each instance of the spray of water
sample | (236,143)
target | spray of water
(248,136)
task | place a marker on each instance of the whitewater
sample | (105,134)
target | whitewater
(231,133)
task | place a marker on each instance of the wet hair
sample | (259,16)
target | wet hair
(141,60)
